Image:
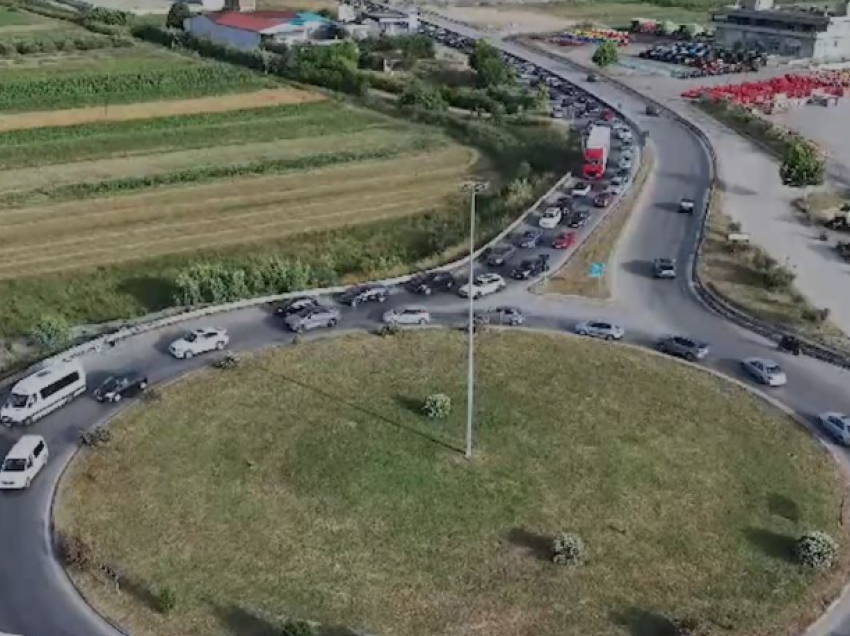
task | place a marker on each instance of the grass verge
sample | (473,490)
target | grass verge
(735,276)
(573,279)
(323,494)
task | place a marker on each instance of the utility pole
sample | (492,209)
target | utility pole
(473,187)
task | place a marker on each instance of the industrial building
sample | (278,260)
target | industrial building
(811,33)
(248,30)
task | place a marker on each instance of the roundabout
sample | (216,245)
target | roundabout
(38,598)
(307,483)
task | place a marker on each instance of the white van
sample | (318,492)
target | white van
(26,459)
(43,392)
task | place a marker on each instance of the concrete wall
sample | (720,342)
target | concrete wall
(202,26)
(833,44)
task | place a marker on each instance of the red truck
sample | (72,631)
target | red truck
(596,150)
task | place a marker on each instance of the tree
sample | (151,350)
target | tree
(490,68)
(802,166)
(605,54)
(421,95)
(51,332)
(178,12)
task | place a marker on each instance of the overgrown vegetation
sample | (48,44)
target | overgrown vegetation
(61,43)
(744,121)
(606,54)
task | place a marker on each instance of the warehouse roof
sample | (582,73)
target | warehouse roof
(259,21)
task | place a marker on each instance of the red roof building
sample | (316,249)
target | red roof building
(256,21)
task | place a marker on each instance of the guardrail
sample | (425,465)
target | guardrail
(709,296)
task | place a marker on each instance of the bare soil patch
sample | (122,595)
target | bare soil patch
(150,110)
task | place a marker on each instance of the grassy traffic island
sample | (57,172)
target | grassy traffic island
(306,483)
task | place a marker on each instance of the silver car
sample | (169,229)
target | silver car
(765,371)
(312,318)
(837,426)
(407,316)
(600,329)
(683,347)
(664,268)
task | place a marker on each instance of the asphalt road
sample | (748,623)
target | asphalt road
(38,600)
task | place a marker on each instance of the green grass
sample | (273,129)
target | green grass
(306,483)
(16,18)
(45,146)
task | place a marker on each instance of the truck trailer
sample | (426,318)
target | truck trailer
(597,148)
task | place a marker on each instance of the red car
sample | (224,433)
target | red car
(564,240)
(607,115)
(603,199)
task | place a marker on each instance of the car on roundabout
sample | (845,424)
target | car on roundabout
(530,238)
(550,218)
(625,162)
(295,305)
(313,318)
(117,387)
(837,426)
(364,294)
(603,199)
(581,189)
(664,268)
(600,329)
(764,371)
(23,462)
(687,206)
(409,315)
(499,255)
(429,282)
(199,341)
(690,349)
(483,285)
(531,267)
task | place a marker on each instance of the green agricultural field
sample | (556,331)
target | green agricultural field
(10,17)
(322,493)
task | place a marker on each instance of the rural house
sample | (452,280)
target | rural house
(248,30)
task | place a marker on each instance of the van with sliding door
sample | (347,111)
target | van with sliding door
(42,393)
(26,459)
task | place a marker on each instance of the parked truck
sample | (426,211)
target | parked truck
(597,148)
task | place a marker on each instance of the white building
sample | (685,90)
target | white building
(247,31)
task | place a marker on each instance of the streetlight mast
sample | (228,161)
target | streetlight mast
(473,187)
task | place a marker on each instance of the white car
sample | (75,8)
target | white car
(765,371)
(837,426)
(625,163)
(550,218)
(23,462)
(483,285)
(199,341)
(624,134)
(581,189)
(407,316)
(600,329)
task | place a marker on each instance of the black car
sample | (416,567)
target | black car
(531,267)
(577,219)
(293,306)
(427,283)
(364,294)
(499,255)
(116,387)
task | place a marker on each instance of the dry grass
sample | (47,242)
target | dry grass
(365,140)
(822,206)
(178,220)
(734,277)
(150,110)
(298,5)
(572,279)
(322,493)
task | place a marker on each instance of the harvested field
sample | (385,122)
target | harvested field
(173,221)
(150,110)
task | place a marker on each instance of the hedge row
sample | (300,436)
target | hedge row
(64,44)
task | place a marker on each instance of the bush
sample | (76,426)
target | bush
(98,436)
(437,406)
(816,550)
(778,278)
(166,600)
(51,332)
(75,552)
(297,628)
(568,549)
(734,227)
(687,626)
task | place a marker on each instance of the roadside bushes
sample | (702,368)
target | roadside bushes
(75,552)
(437,406)
(51,332)
(568,549)
(15,47)
(816,550)
(297,628)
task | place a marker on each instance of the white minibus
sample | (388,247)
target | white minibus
(43,392)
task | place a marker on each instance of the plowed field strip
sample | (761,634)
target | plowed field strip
(150,110)
(191,219)
(249,191)
(111,169)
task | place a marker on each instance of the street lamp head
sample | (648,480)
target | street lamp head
(474,186)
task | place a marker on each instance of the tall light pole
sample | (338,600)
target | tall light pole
(473,187)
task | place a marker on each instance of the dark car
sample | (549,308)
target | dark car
(427,283)
(603,199)
(531,267)
(530,238)
(686,206)
(577,219)
(295,305)
(116,387)
(364,294)
(499,255)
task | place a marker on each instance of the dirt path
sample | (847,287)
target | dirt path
(151,110)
